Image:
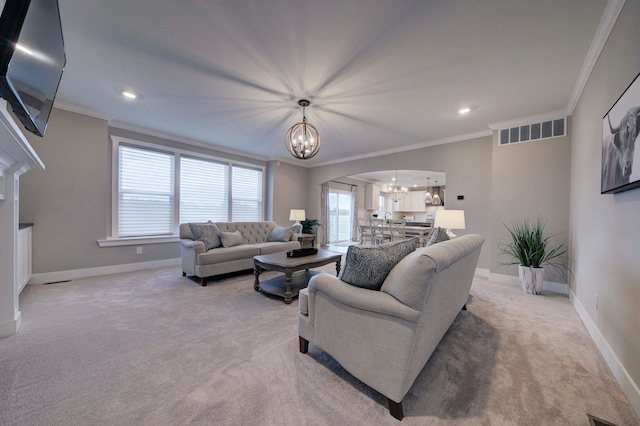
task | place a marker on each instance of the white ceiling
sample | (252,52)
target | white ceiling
(381,75)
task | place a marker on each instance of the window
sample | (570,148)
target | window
(204,190)
(155,188)
(247,194)
(145,192)
(340,218)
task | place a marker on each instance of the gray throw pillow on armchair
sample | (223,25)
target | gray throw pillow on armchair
(368,266)
(439,235)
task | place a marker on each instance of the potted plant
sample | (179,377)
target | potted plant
(530,249)
(308,224)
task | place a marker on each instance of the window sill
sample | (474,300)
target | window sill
(133,241)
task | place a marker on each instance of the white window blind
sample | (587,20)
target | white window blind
(246,189)
(145,192)
(204,190)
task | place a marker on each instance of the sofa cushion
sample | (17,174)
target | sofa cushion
(207,233)
(268,248)
(228,254)
(281,234)
(368,266)
(230,239)
(437,236)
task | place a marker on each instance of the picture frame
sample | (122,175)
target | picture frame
(620,130)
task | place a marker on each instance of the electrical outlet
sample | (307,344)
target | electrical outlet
(596,301)
(138,250)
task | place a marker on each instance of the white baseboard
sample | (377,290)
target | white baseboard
(554,287)
(482,273)
(10,328)
(51,277)
(629,387)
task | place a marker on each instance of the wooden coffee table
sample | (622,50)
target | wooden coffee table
(289,285)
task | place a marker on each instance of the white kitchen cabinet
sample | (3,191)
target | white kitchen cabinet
(412,202)
(371,196)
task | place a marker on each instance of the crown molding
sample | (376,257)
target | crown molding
(81,110)
(609,18)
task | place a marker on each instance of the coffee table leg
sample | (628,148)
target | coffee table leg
(256,273)
(287,289)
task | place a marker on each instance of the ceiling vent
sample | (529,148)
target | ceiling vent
(534,131)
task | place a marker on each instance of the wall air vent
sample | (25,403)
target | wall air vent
(534,131)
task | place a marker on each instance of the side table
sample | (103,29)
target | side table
(306,240)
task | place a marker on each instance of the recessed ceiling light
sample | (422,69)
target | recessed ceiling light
(128,94)
(464,110)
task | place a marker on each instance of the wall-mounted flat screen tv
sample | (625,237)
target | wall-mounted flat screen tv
(32,59)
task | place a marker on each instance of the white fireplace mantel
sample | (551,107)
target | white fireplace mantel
(16,158)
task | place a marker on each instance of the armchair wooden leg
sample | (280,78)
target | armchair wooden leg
(395,409)
(203,281)
(304,344)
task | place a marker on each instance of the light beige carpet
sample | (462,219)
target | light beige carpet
(154,348)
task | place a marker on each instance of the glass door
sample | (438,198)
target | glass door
(340,216)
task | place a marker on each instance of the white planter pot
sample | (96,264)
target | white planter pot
(531,279)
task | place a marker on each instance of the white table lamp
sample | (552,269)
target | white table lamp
(450,219)
(297,215)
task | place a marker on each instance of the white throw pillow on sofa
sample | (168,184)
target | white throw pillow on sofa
(230,239)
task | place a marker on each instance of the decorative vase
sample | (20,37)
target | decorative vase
(531,279)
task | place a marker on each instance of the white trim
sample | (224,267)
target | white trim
(133,241)
(629,387)
(10,328)
(551,286)
(50,277)
(609,18)
(81,110)
(404,148)
(482,273)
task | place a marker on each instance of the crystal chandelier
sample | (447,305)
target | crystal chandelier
(428,198)
(395,192)
(302,139)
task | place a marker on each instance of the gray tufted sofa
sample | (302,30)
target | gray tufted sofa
(221,260)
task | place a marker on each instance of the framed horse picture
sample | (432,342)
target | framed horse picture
(620,129)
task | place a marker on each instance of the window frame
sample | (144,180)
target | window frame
(113,239)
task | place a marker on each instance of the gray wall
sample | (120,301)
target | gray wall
(288,184)
(605,235)
(468,168)
(70,202)
(530,180)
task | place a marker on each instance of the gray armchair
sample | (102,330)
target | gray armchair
(384,338)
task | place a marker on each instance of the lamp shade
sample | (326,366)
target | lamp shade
(450,219)
(297,215)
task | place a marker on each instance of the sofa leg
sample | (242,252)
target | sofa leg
(464,308)
(304,344)
(184,274)
(203,281)
(395,409)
